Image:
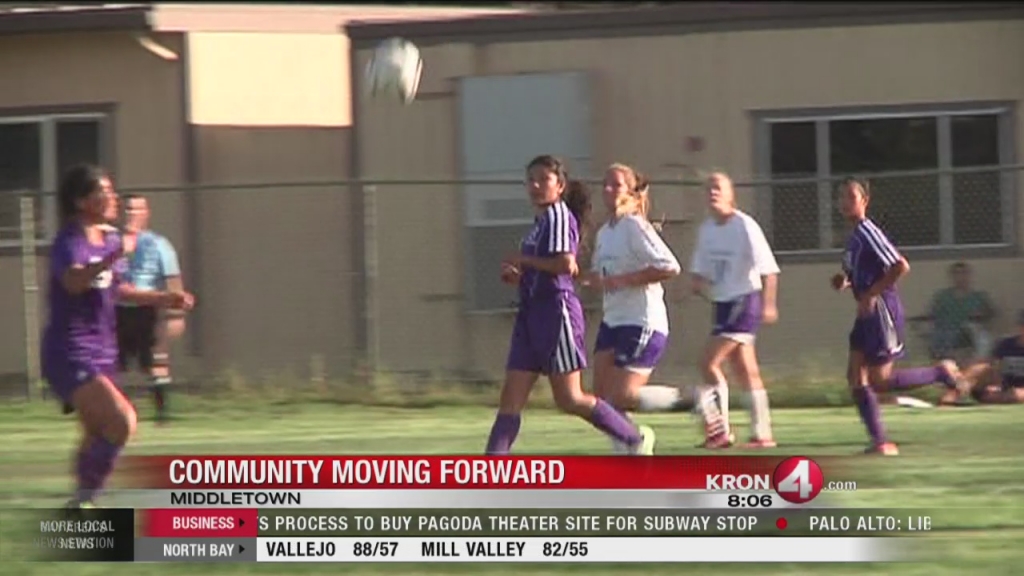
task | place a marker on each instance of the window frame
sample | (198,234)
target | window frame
(49,178)
(943,113)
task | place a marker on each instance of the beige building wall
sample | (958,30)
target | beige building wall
(653,93)
(272,115)
(44,71)
(270,99)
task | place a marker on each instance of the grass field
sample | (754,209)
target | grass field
(967,461)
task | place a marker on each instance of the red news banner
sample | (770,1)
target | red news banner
(284,508)
(793,478)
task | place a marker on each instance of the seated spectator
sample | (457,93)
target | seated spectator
(959,315)
(999,379)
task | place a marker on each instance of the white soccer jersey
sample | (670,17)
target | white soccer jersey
(630,245)
(733,256)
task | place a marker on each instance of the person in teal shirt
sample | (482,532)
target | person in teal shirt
(143,331)
(958,315)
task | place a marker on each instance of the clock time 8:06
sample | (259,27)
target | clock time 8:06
(750,501)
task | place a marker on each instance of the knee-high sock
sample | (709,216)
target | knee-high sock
(94,467)
(503,434)
(870,413)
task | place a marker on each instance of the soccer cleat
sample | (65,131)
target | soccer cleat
(883,449)
(646,445)
(73,508)
(619,448)
(718,442)
(717,435)
(755,443)
(962,385)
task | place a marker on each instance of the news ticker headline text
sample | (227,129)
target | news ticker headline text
(334,535)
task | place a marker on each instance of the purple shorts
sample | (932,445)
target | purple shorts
(548,337)
(634,346)
(880,336)
(64,377)
(738,319)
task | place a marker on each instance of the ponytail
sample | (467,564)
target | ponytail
(577,199)
(643,193)
(643,198)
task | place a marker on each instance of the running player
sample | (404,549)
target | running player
(548,334)
(1000,378)
(872,266)
(144,332)
(629,264)
(79,345)
(734,265)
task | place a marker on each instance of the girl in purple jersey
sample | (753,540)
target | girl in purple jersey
(79,347)
(872,266)
(548,334)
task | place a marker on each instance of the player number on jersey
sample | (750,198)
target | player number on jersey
(720,267)
(798,480)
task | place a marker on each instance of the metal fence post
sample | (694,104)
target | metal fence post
(30,292)
(370,314)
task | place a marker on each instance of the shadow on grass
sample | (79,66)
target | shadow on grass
(809,385)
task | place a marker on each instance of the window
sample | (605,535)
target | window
(906,206)
(934,177)
(504,122)
(34,151)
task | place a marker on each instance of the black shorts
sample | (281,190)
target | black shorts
(136,336)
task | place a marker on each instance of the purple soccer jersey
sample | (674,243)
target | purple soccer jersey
(869,255)
(80,339)
(1010,354)
(554,232)
(548,337)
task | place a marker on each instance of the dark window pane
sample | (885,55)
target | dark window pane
(794,152)
(795,217)
(977,208)
(794,206)
(907,208)
(883,145)
(20,170)
(78,141)
(975,140)
(977,197)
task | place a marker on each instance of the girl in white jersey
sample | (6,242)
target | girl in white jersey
(734,266)
(630,262)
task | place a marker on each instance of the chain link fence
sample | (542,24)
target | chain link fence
(318,282)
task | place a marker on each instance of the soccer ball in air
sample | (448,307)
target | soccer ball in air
(394,70)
